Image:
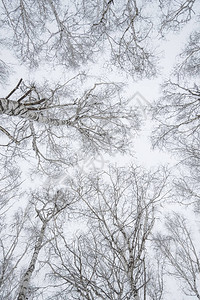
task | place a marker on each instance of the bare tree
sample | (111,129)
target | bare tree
(46,121)
(178,247)
(14,246)
(175,14)
(177,110)
(156,288)
(109,260)
(126,29)
(178,115)
(187,189)
(48,207)
(189,58)
(73,33)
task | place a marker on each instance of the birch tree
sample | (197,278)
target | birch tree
(188,65)
(46,121)
(72,33)
(110,259)
(13,249)
(24,234)
(178,132)
(48,206)
(187,189)
(177,110)
(175,14)
(178,246)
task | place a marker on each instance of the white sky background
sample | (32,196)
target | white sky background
(150,89)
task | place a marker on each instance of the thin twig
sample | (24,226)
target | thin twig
(9,135)
(17,86)
(36,102)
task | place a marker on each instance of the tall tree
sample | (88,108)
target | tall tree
(177,110)
(181,253)
(45,121)
(72,33)
(14,246)
(110,259)
(47,207)
(175,14)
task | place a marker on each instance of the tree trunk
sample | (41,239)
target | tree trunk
(23,290)
(15,108)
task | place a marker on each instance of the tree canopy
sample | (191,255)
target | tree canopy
(103,234)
